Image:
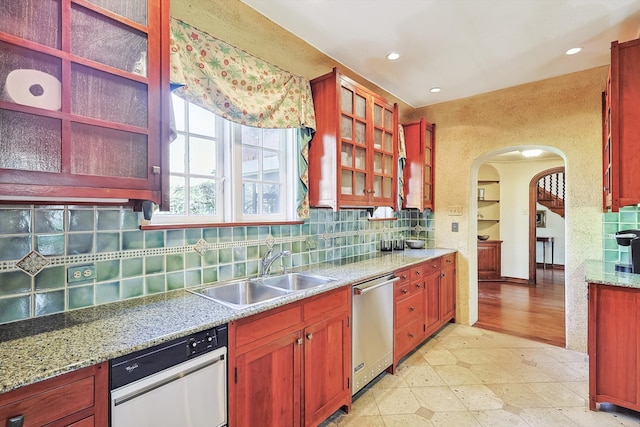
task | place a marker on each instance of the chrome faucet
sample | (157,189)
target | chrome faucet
(267,260)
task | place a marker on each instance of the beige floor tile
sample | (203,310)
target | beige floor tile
(499,417)
(557,394)
(438,399)
(508,341)
(492,374)
(440,357)
(519,395)
(368,421)
(406,420)
(421,376)
(581,388)
(566,371)
(585,417)
(391,381)
(547,417)
(415,358)
(365,405)
(456,375)
(483,356)
(469,331)
(525,373)
(566,355)
(454,419)
(477,397)
(396,401)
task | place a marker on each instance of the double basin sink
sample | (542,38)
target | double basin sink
(248,292)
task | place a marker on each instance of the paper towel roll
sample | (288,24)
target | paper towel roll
(33,88)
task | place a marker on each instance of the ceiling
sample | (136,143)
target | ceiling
(465,47)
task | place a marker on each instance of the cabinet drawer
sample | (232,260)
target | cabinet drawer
(416,272)
(261,326)
(327,304)
(448,260)
(51,404)
(409,309)
(432,265)
(404,276)
(404,290)
(408,338)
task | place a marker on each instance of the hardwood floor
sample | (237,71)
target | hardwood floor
(534,312)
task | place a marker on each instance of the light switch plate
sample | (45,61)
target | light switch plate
(454,227)
(81,274)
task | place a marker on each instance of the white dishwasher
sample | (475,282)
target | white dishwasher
(179,383)
(372,333)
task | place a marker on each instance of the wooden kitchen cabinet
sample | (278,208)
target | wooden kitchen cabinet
(84,110)
(419,170)
(353,154)
(620,127)
(613,346)
(489,259)
(291,365)
(79,398)
(424,300)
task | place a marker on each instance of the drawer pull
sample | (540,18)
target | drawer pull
(299,341)
(412,308)
(418,285)
(417,272)
(411,335)
(404,276)
(404,291)
(309,337)
(17,421)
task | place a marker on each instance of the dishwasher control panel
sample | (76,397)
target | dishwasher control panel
(132,367)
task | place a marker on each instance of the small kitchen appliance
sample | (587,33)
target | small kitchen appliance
(630,238)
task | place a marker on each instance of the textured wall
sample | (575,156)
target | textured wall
(562,115)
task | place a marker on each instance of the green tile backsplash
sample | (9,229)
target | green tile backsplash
(131,262)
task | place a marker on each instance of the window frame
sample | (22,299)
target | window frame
(229,184)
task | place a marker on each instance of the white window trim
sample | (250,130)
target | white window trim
(231,211)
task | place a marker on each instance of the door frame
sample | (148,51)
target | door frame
(533,198)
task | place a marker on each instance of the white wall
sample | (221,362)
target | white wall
(555,229)
(514,213)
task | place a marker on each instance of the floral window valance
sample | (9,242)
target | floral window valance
(236,85)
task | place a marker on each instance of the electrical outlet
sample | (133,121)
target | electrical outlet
(454,227)
(81,274)
(454,210)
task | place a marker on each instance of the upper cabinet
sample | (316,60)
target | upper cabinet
(82,106)
(621,128)
(419,173)
(353,154)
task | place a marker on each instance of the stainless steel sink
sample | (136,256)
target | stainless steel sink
(241,294)
(295,281)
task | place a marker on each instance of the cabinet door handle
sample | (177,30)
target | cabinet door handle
(412,308)
(404,291)
(309,337)
(411,335)
(299,341)
(17,421)
(441,274)
(418,285)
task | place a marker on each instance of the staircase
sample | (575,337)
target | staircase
(551,190)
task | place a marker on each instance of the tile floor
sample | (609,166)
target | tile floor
(466,376)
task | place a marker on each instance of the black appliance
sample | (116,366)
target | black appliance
(630,238)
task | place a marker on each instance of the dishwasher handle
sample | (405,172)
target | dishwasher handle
(373,284)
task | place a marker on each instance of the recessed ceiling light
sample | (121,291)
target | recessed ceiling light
(435,89)
(531,153)
(573,50)
(393,56)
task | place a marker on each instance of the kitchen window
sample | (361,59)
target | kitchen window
(221,171)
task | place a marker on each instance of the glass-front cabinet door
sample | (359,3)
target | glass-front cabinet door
(353,139)
(384,153)
(81,107)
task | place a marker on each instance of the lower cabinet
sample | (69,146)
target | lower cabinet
(79,399)
(425,299)
(291,366)
(489,259)
(614,346)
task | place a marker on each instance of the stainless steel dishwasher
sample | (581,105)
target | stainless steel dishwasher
(179,383)
(372,333)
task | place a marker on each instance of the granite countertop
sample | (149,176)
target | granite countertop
(603,274)
(40,348)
